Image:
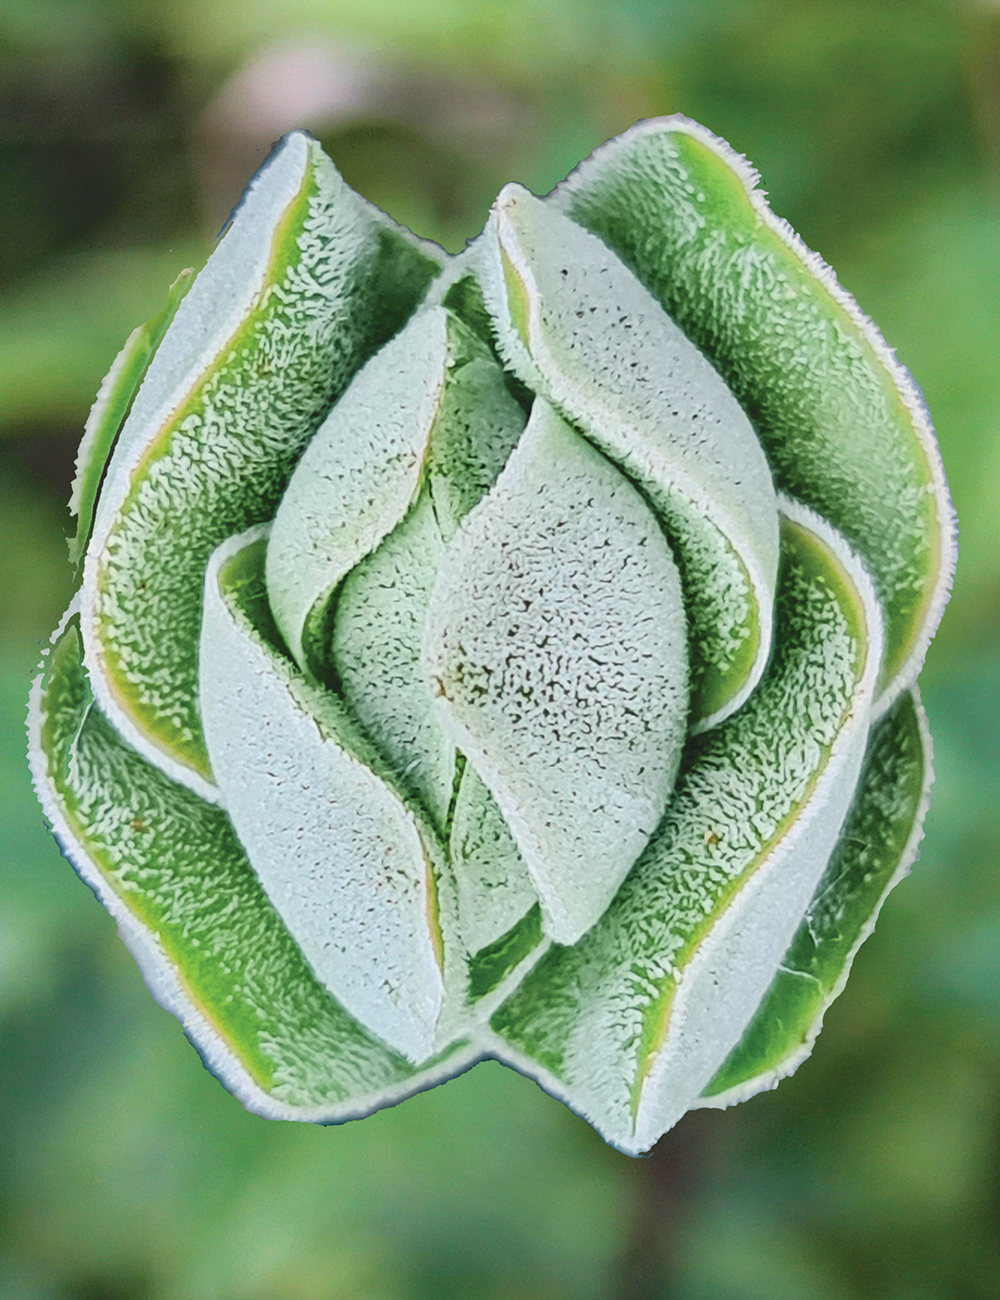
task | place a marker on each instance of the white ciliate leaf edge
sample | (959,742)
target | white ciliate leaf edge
(163,980)
(723,983)
(901,377)
(788,1066)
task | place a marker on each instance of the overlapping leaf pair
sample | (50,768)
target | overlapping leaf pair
(505,655)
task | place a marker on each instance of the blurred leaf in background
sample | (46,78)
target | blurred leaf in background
(127,130)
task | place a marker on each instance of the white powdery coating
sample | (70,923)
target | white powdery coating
(607,355)
(337,852)
(359,475)
(556,641)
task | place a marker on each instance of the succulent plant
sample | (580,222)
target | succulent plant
(505,655)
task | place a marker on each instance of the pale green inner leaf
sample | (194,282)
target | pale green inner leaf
(494,888)
(378,614)
(378,631)
(356,481)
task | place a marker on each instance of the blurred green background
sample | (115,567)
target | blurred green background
(127,128)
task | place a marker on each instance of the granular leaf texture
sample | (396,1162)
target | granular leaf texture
(506,655)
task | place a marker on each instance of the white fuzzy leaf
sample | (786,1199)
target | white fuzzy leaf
(308,281)
(341,857)
(358,477)
(556,641)
(631,1024)
(578,327)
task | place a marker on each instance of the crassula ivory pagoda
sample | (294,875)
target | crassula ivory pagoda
(506,655)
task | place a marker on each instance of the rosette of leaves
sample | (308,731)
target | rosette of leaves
(509,655)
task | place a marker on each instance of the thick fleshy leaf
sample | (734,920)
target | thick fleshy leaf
(212,949)
(576,325)
(377,635)
(494,888)
(306,283)
(491,920)
(877,848)
(356,481)
(844,426)
(556,643)
(110,407)
(379,611)
(347,864)
(629,1026)
(479,426)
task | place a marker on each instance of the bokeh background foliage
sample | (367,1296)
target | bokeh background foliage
(126,130)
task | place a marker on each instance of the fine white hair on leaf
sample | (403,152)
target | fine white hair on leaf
(843,423)
(283,314)
(630,1025)
(575,324)
(557,646)
(341,857)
